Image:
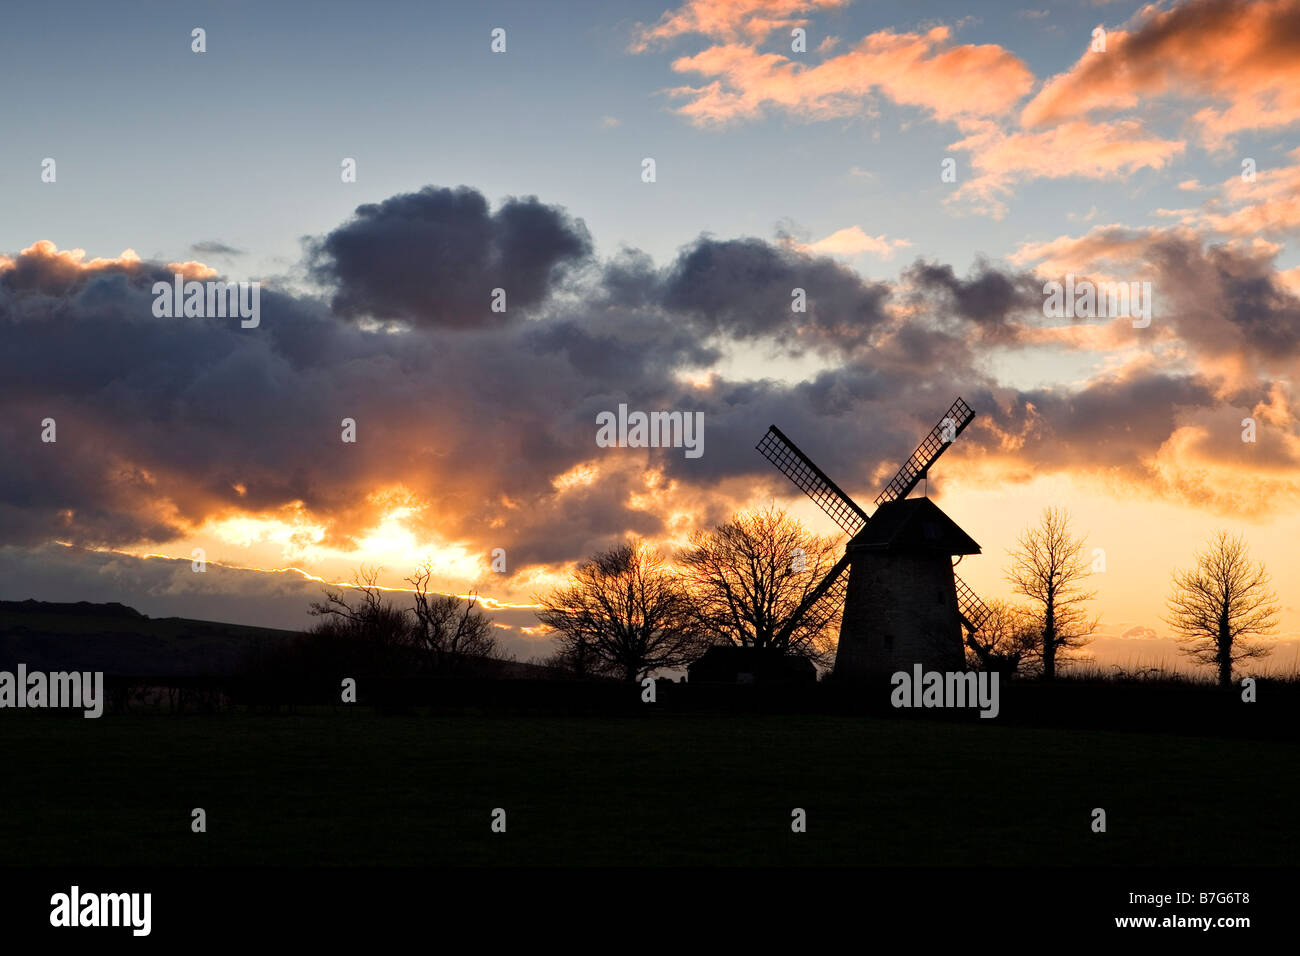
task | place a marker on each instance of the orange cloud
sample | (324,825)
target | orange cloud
(70,259)
(58,267)
(1078,148)
(1222,308)
(730,19)
(192,269)
(1206,464)
(915,69)
(1268,206)
(854,241)
(1100,246)
(974,86)
(1242,57)
(1242,54)
(1290,279)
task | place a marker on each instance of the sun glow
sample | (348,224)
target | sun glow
(579,475)
(292,530)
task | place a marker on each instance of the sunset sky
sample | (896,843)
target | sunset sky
(522,170)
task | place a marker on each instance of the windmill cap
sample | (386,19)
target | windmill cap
(913,524)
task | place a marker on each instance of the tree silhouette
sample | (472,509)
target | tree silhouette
(748,576)
(1220,605)
(1048,568)
(437,634)
(448,630)
(1007,637)
(362,627)
(625,608)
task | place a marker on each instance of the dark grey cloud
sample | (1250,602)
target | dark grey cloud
(211,247)
(1223,298)
(1106,424)
(164,423)
(433,257)
(988,297)
(744,289)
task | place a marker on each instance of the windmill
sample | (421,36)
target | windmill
(902,602)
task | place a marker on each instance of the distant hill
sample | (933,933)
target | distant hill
(80,608)
(117,639)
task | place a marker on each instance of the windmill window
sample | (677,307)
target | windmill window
(930,530)
(940,596)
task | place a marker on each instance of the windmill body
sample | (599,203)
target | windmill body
(902,603)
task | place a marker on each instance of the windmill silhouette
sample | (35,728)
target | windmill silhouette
(903,603)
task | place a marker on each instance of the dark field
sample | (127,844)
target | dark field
(352,787)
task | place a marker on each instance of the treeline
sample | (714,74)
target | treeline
(363,631)
(1219,611)
(628,612)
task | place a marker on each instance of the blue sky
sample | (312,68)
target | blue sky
(158,147)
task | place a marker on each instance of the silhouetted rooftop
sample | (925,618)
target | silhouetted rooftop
(913,524)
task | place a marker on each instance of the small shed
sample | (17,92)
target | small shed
(729,664)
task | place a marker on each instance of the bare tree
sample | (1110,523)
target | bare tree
(363,620)
(366,604)
(748,577)
(625,609)
(448,630)
(1221,605)
(1007,636)
(437,633)
(1049,567)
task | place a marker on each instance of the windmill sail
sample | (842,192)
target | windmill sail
(811,480)
(821,604)
(927,453)
(973,611)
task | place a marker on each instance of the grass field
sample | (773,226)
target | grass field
(352,787)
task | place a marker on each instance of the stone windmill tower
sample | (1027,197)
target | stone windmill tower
(903,603)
